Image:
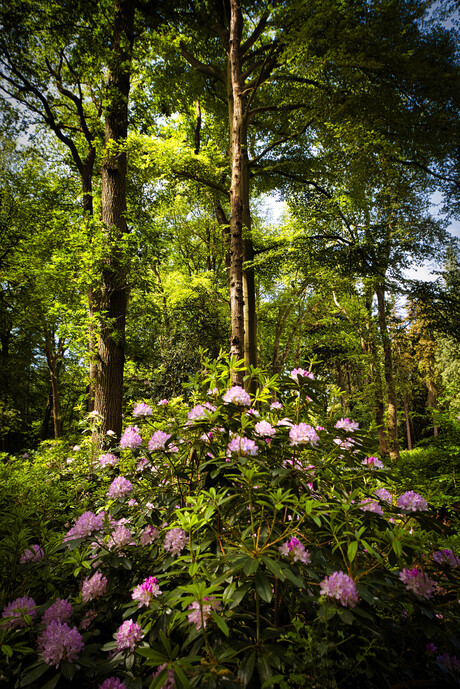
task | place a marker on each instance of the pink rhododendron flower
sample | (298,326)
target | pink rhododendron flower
(85,525)
(297,373)
(17,609)
(264,429)
(149,534)
(32,554)
(295,550)
(450,662)
(340,586)
(201,613)
(371,506)
(446,557)
(200,412)
(162,403)
(302,434)
(275,405)
(158,441)
(60,611)
(142,409)
(128,635)
(237,395)
(108,460)
(87,619)
(119,487)
(175,541)
(416,581)
(373,463)
(242,446)
(347,425)
(93,587)
(413,502)
(169,681)
(120,537)
(144,592)
(142,464)
(131,438)
(346,444)
(112,683)
(59,642)
(384,495)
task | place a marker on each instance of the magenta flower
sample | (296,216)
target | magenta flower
(60,611)
(373,463)
(243,446)
(416,581)
(131,438)
(17,609)
(202,612)
(297,373)
(146,591)
(158,441)
(340,586)
(108,460)
(93,587)
(413,502)
(264,429)
(446,557)
(295,550)
(384,495)
(112,683)
(450,662)
(175,541)
(128,635)
(59,642)
(162,403)
(32,554)
(119,487)
(347,425)
(371,506)
(142,409)
(85,525)
(169,681)
(237,395)
(302,434)
(149,534)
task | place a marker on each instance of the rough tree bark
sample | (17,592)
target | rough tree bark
(113,299)
(389,377)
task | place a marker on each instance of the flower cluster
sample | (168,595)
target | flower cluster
(371,506)
(169,681)
(108,460)
(144,592)
(347,425)
(120,537)
(202,612)
(93,587)
(149,534)
(60,611)
(340,586)
(446,557)
(373,463)
(413,502)
(297,373)
(416,581)
(142,409)
(17,609)
(175,541)
(302,434)
(237,395)
(384,495)
(32,554)
(295,550)
(86,524)
(112,683)
(128,635)
(158,441)
(275,405)
(131,438)
(119,487)
(264,429)
(242,446)
(59,642)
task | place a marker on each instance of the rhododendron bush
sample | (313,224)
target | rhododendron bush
(238,540)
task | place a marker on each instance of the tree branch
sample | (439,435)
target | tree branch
(210,70)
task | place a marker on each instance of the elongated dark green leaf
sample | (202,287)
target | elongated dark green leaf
(264,586)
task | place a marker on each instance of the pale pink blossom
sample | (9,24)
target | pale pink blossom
(416,581)
(175,541)
(413,502)
(303,434)
(142,409)
(265,429)
(108,460)
(158,441)
(340,586)
(347,425)
(86,524)
(93,587)
(242,446)
(119,487)
(60,611)
(32,554)
(237,395)
(17,609)
(128,635)
(131,438)
(144,592)
(59,642)
(202,612)
(295,550)
(149,534)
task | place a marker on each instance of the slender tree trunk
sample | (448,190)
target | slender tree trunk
(114,290)
(236,196)
(431,402)
(379,407)
(407,419)
(87,184)
(389,376)
(46,417)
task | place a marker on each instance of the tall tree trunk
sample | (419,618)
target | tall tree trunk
(379,407)
(249,287)
(114,289)
(389,376)
(87,185)
(431,402)
(407,418)
(236,112)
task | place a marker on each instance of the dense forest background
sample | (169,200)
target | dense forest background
(141,147)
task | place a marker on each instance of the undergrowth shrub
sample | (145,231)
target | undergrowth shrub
(238,541)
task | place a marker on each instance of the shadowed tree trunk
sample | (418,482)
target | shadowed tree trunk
(389,377)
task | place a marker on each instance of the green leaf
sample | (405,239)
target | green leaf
(250,566)
(264,586)
(52,682)
(180,679)
(34,674)
(397,547)
(158,681)
(352,550)
(246,667)
(347,616)
(221,623)
(274,567)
